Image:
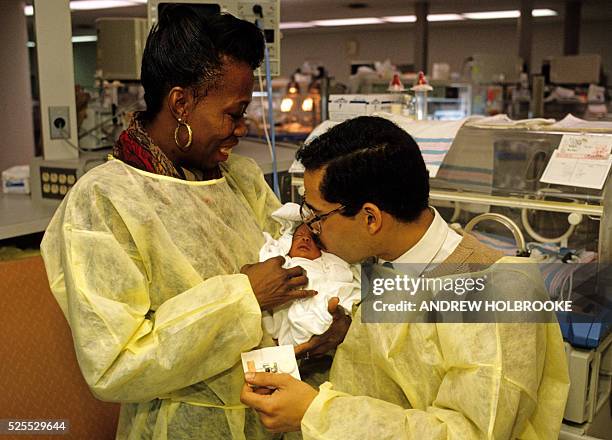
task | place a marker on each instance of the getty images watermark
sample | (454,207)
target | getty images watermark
(502,292)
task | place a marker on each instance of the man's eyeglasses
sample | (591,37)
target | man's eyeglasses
(313,220)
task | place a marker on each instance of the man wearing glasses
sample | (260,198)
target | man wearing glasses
(367,195)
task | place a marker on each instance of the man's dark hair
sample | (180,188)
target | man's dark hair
(186,48)
(370,159)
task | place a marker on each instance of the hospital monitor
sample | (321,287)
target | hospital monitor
(266,11)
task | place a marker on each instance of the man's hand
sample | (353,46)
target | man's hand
(283,409)
(317,346)
(274,285)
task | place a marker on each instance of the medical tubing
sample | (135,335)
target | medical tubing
(508,223)
(271,119)
(533,234)
(527,224)
(120,113)
(263,113)
(456,212)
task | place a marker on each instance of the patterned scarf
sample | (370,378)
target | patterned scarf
(136,148)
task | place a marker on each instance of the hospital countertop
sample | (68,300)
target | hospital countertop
(20,215)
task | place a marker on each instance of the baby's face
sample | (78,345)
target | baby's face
(303,244)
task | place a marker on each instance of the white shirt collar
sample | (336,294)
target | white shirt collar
(435,246)
(426,249)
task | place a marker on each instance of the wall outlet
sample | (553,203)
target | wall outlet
(59,122)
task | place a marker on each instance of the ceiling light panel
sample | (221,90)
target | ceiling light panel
(400,19)
(490,15)
(86,5)
(444,17)
(296,25)
(84,38)
(348,21)
(544,13)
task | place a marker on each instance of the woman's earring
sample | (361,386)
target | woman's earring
(187,146)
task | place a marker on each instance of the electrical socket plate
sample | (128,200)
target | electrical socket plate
(59,122)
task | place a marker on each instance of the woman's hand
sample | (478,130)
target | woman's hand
(273,285)
(283,409)
(317,346)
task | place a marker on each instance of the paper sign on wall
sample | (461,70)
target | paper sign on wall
(581,160)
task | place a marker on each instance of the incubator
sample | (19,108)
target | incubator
(492,172)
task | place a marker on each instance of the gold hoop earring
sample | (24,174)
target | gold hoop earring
(187,146)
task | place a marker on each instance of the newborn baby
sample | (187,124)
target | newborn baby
(303,244)
(330,276)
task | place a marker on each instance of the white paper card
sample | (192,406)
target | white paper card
(583,173)
(277,359)
(585,147)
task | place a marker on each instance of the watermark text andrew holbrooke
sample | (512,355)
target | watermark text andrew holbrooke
(473,306)
(522,292)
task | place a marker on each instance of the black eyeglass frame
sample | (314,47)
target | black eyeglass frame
(314,221)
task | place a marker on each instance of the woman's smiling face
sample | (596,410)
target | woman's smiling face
(218,119)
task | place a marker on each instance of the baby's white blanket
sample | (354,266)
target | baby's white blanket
(298,321)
